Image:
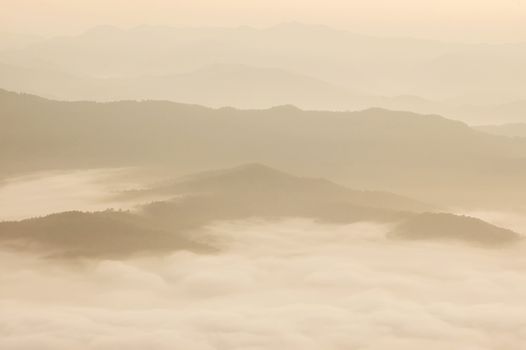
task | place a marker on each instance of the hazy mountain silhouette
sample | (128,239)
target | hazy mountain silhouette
(248,191)
(48,83)
(255,190)
(241,86)
(257,179)
(383,66)
(239,193)
(512,111)
(509,130)
(215,86)
(98,234)
(160,50)
(420,155)
(442,226)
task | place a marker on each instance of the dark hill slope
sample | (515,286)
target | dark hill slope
(399,151)
(252,191)
(441,226)
(257,179)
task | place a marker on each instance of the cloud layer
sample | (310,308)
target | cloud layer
(288,285)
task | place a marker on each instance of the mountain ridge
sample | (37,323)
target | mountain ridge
(357,149)
(174,224)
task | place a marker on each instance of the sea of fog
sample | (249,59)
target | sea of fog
(289,284)
(292,284)
(44,193)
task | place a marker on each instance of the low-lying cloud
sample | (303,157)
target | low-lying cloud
(292,284)
(50,192)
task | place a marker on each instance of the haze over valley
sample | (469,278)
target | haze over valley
(310,66)
(212,177)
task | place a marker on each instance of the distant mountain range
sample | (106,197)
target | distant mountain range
(424,156)
(215,86)
(265,182)
(241,86)
(313,67)
(509,130)
(244,192)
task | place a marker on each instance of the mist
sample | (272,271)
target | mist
(489,21)
(45,193)
(295,283)
(262,175)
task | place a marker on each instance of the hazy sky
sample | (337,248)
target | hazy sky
(467,20)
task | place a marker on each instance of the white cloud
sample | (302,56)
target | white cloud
(287,285)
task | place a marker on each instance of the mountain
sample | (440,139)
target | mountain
(445,227)
(214,86)
(312,67)
(244,192)
(491,72)
(156,50)
(48,83)
(509,130)
(107,234)
(423,156)
(382,66)
(233,194)
(241,86)
(510,112)
(256,191)
(266,182)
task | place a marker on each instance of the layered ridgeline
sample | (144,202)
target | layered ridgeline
(245,192)
(509,130)
(243,86)
(425,156)
(314,67)
(217,85)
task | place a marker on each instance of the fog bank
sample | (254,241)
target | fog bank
(292,284)
(48,192)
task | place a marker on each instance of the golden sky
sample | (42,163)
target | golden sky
(465,20)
